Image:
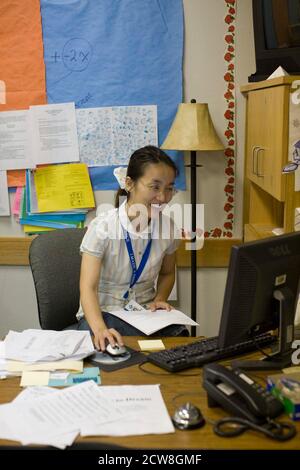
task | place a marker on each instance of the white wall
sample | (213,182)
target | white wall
(203,72)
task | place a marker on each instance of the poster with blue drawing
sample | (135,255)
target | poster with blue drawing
(109,135)
(104,53)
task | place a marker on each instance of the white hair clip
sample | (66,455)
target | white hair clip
(120,175)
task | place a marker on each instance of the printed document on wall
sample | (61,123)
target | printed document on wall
(14,140)
(4,199)
(54,133)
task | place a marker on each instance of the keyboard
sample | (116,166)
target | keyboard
(202,352)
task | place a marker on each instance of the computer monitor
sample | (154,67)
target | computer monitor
(261,294)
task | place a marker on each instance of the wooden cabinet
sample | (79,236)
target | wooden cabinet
(269,197)
(267,114)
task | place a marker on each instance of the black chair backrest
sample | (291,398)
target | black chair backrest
(55,261)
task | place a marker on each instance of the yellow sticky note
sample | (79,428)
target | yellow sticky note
(34,378)
(151,345)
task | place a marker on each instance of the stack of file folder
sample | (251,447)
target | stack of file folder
(56,197)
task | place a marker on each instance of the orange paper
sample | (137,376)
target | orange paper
(21,54)
(22,68)
(16,178)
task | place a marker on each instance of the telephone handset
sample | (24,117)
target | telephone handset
(237,393)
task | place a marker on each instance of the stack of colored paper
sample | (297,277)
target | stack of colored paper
(56,197)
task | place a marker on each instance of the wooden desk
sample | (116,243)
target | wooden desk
(171,385)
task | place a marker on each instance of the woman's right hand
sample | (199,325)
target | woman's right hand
(104,336)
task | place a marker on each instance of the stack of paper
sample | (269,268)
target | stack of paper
(44,416)
(59,379)
(56,197)
(67,364)
(35,222)
(40,373)
(45,135)
(47,345)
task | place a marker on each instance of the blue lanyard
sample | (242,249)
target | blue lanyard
(136,272)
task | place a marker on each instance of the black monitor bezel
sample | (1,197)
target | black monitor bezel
(267,60)
(227,335)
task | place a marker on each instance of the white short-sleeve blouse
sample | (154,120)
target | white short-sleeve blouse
(105,240)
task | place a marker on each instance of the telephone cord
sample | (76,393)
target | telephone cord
(279,431)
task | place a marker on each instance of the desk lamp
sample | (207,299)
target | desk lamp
(193,130)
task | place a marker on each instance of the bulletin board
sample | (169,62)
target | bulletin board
(26,23)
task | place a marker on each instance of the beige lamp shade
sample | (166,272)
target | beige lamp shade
(192,129)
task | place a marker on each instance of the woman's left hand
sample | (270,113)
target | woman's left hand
(159,304)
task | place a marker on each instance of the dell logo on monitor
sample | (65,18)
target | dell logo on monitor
(280,250)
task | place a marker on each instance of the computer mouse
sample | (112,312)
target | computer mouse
(188,416)
(116,350)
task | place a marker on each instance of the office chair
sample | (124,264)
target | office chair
(55,260)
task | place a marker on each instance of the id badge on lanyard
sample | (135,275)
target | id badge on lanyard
(131,295)
(136,272)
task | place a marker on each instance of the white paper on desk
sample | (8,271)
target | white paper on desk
(15,146)
(6,427)
(54,133)
(4,199)
(19,366)
(47,345)
(61,440)
(143,409)
(148,322)
(63,412)
(30,393)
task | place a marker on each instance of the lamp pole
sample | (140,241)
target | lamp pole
(193,166)
(193,130)
(193,251)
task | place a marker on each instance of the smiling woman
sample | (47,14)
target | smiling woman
(127,248)
(160,177)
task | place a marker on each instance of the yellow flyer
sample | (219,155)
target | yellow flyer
(63,187)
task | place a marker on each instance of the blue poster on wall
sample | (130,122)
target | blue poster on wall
(115,53)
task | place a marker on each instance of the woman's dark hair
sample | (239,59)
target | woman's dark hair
(139,161)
